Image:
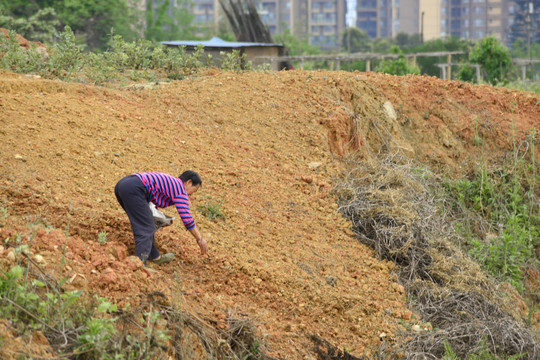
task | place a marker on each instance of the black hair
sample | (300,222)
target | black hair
(191,175)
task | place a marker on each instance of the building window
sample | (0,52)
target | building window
(478,34)
(477,10)
(478,22)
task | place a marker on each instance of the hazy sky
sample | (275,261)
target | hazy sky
(351,14)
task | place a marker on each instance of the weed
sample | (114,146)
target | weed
(508,201)
(212,210)
(3,216)
(102,238)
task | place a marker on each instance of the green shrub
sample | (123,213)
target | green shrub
(233,61)
(66,57)
(212,210)
(18,59)
(397,66)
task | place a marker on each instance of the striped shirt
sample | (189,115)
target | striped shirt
(167,190)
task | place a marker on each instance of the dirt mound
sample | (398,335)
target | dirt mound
(22,41)
(269,147)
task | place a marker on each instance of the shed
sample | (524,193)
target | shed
(257,53)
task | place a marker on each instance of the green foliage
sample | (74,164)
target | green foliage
(40,26)
(355,40)
(90,20)
(102,238)
(482,351)
(66,57)
(74,323)
(466,73)
(19,59)
(427,64)
(494,58)
(233,61)
(397,66)
(296,45)
(212,210)
(520,49)
(508,200)
(129,55)
(527,86)
(167,22)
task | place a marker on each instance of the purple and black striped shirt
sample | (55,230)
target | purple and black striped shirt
(167,190)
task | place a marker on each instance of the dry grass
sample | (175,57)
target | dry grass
(393,209)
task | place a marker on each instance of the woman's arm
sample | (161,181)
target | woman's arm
(200,241)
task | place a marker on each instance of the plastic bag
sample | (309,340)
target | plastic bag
(160,219)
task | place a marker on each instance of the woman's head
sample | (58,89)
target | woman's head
(192,181)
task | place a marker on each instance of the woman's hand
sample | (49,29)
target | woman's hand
(203,245)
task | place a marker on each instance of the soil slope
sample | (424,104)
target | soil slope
(269,147)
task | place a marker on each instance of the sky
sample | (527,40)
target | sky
(351,14)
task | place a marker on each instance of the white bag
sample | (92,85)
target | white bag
(160,219)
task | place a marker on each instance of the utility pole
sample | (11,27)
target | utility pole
(422,28)
(528,23)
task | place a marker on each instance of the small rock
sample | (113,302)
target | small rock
(39,259)
(11,256)
(389,110)
(382,335)
(331,280)
(314,165)
(416,328)
(19,157)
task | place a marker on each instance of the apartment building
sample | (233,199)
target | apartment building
(321,22)
(206,11)
(471,19)
(475,19)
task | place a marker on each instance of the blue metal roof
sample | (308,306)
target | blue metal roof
(216,42)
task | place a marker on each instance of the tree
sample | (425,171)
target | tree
(167,22)
(296,46)
(41,26)
(494,58)
(405,40)
(355,40)
(90,20)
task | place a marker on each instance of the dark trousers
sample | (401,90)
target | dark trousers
(133,197)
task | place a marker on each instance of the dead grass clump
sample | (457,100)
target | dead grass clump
(393,209)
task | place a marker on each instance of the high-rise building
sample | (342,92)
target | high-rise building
(326,21)
(475,19)
(430,19)
(319,21)
(472,19)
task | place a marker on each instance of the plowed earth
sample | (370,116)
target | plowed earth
(270,147)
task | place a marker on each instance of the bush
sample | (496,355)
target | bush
(398,66)
(66,58)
